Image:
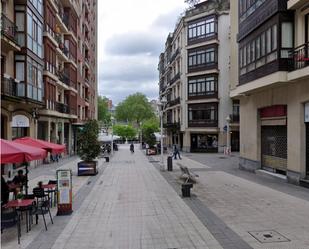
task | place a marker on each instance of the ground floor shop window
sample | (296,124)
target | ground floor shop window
(204,142)
(18,132)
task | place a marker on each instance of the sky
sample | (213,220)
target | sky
(131,36)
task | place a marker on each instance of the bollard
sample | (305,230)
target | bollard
(107,159)
(169,163)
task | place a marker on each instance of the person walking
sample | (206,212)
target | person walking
(176,152)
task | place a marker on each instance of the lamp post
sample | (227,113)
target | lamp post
(140,126)
(228,135)
(112,142)
(161,103)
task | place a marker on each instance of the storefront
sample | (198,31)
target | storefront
(204,142)
(274,138)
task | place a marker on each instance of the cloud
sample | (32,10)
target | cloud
(168,20)
(134,43)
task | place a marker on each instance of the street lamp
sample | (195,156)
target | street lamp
(228,135)
(161,104)
(112,143)
(140,126)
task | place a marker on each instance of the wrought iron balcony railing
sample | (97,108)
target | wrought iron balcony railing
(10,87)
(299,57)
(62,108)
(8,28)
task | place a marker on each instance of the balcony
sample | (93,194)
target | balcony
(9,87)
(174,79)
(173,102)
(235,118)
(62,108)
(8,34)
(171,125)
(64,78)
(173,57)
(299,57)
(203,123)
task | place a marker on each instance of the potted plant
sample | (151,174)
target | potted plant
(88,148)
(19,196)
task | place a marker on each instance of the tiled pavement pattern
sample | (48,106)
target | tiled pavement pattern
(227,238)
(246,202)
(134,207)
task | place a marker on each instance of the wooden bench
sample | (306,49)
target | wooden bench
(187,174)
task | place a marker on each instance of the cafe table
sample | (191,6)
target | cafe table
(21,206)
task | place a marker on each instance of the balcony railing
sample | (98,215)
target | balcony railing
(174,79)
(170,124)
(173,57)
(299,57)
(10,87)
(8,28)
(235,118)
(63,77)
(174,102)
(203,123)
(62,108)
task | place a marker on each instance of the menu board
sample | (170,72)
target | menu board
(64,184)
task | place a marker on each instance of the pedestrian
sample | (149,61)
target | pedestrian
(20,179)
(176,152)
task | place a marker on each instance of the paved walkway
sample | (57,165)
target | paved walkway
(132,204)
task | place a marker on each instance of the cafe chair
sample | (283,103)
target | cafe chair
(10,218)
(52,193)
(42,205)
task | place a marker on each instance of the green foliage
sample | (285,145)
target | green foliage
(124,131)
(88,146)
(149,127)
(135,108)
(103,113)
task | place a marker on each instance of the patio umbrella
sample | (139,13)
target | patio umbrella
(38,143)
(12,152)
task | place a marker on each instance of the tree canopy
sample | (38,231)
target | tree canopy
(124,131)
(149,127)
(103,113)
(134,109)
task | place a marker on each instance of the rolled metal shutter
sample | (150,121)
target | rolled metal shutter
(274,147)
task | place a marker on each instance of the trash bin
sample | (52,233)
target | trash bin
(169,163)
(107,159)
(186,189)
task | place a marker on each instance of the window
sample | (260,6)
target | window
(202,86)
(202,57)
(202,29)
(286,38)
(259,51)
(247,7)
(34,80)
(34,33)
(203,114)
(38,5)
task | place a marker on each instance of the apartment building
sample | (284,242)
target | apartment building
(272,85)
(48,68)
(194,77)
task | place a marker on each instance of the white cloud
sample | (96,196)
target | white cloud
(131,36)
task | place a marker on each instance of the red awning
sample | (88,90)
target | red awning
(50,147)
(12,152)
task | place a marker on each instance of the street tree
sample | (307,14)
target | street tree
(149,127)
(134,109)
(103,114)
(124,131)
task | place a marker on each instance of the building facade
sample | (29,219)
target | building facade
(272,85)
(48,68)
(194,77)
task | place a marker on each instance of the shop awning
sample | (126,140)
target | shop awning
(38,143)
(12,152)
